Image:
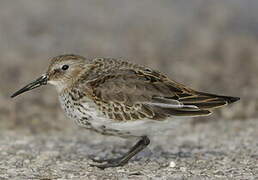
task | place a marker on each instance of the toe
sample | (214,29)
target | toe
(98,160)
(106,165)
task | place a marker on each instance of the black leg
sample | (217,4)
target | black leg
(139,146)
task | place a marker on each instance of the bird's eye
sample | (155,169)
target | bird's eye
(65,67)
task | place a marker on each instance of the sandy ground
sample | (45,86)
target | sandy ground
(213,150)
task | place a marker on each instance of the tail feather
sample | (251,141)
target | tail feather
(182,112)
(228,99)
(195,104)
(209,105)
(196,99)
(208,101)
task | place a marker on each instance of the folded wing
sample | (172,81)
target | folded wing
(132,94)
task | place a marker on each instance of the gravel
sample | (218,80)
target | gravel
(215,149)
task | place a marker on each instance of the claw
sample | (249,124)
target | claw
(113,160)
(99,160)
(107,165)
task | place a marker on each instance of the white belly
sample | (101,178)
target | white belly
(145,127)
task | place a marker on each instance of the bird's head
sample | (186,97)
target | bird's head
(62,72)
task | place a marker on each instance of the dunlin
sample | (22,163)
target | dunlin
(119,98)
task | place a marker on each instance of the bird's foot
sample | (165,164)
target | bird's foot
(108,165)
(115,162)
(111,160)
(140,145)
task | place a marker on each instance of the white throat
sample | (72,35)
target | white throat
(60,86)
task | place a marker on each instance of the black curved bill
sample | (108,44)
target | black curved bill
(35,84)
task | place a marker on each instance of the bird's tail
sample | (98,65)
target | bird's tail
(196,104)
(208,101)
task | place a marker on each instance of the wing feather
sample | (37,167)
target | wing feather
(132,94)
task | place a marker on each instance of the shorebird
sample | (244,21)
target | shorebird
(118,98)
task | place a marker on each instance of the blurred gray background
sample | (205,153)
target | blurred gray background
(209,45)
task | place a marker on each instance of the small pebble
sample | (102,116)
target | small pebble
(172,164)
